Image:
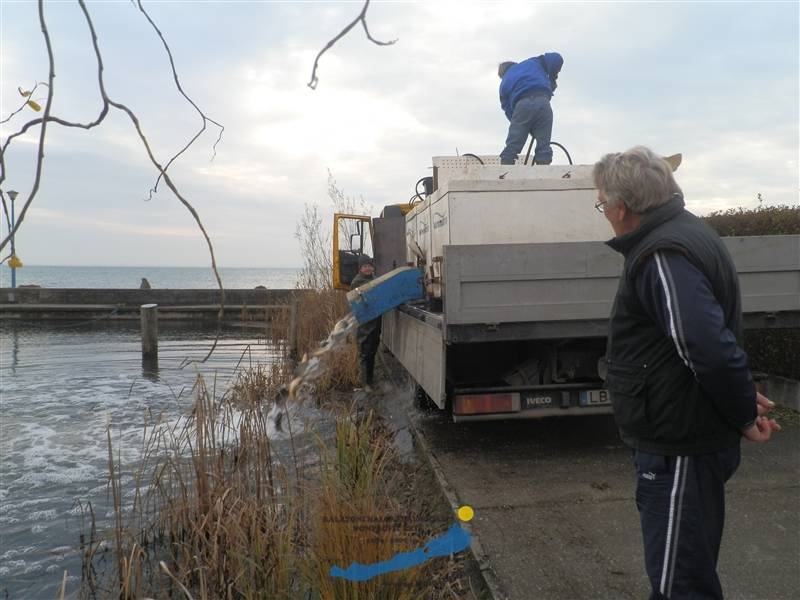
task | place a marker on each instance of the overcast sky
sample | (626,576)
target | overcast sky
(715,81)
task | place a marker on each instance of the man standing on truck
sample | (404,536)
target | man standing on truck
(681,389)
(525,92)
(368,335)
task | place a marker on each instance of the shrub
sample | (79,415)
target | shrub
(764,220)
(773,351)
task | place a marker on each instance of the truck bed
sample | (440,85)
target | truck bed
(557,295)
(501,292)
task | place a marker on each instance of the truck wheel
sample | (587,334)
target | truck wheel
(422,401)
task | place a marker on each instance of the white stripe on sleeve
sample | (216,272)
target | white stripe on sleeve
(673,327)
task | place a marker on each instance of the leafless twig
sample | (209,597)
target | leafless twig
(44,120)
(107,102)
(362,17)
(27,96)
(203,116)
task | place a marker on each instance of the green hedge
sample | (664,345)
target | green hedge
(764,220)
(774,351)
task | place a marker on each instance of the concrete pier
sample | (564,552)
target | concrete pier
(124,304)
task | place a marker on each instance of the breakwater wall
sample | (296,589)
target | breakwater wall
(173,304)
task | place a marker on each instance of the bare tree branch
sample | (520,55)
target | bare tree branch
(166,177)
(52,119)
(362,17)
(203,116)
(45,118)
(107,102)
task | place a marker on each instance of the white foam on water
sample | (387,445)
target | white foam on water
(14,552)
(43,515)
(24,504)
(77,510)
(12,566)
(9,520)
(34,568)
(57,476)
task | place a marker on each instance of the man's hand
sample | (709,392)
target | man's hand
(762,429)
(763,404)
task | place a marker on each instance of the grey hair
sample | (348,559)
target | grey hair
(503,67)
(638,177)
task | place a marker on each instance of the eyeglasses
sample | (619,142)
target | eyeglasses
(599,205)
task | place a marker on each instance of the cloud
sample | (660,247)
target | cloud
(667,75)
(89,223)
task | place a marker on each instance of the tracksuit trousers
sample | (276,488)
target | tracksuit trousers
(681,502)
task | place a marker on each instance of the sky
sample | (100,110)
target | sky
(716,81)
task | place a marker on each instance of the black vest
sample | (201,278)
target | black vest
(658,404)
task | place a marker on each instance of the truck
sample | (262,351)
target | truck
(518,286)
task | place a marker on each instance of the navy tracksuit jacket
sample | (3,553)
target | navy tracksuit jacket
(682,391)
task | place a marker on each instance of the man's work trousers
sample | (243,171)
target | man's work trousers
(681,502)
(532,116)
(368,337)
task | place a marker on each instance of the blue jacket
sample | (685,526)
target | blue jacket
(529,76)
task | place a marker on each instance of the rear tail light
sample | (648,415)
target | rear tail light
(476,404)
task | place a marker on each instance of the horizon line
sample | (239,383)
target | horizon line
(154,267)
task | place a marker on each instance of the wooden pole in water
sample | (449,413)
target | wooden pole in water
(149,320)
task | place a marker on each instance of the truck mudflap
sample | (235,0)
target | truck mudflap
(533,402)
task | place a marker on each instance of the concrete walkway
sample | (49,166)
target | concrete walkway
(556,519)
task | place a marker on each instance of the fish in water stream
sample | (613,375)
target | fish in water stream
(313,367)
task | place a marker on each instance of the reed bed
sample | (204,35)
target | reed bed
(213,514)
(216,514)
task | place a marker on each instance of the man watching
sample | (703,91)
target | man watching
(368,335)
(525,92)
(680,385)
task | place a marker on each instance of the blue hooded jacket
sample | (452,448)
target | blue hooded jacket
(529,76)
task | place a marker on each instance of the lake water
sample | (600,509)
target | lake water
(159,277)
(59,387)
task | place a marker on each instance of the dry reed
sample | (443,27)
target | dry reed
(215,513)
(317,312)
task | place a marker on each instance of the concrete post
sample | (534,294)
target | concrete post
(149,323)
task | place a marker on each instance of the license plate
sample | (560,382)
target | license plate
(538,400)
(594,397)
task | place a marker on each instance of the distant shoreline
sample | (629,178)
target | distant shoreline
(97,277)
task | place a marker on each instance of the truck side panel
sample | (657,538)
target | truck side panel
(420,348)
(519,283)
(512,283)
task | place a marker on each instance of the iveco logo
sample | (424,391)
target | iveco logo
(540,400)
